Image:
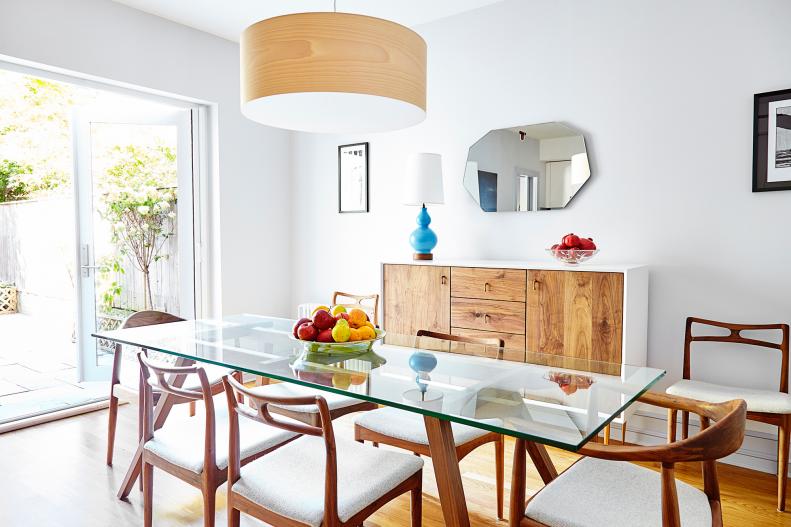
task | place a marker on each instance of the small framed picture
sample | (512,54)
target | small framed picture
(772,141)
(353,178)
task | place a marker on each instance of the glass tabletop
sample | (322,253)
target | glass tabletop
(549,399)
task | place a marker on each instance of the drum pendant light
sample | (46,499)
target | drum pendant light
(333,73)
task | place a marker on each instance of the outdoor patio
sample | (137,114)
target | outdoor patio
(38,368)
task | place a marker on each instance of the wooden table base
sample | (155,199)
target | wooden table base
(446,470)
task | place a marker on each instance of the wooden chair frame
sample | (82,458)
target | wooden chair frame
(211,477)
(781,421)
(358,303)
(260,412)
(136,320)
(714,442)
(362,434)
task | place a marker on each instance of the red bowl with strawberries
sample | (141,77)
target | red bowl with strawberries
(573,249)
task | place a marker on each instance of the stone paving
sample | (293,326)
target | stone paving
(38,368)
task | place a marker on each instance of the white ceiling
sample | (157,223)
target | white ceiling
(227,18)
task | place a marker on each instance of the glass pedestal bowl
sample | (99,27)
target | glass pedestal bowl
(572,256)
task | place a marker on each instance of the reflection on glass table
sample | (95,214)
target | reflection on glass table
(464,383)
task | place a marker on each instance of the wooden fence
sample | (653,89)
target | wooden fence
(37,254)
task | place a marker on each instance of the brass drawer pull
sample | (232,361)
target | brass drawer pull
(536,283)
(443,280)
(487,287)
(486,318)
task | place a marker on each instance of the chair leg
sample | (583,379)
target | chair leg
(148,494)
(209,505)
(499,459)
(112,420)
(782,461)
(684,425)
(192,408)
(416,504)
(234,518)
(623,433)
(672,415)
(607,435)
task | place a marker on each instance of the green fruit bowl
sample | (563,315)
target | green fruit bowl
(340,348)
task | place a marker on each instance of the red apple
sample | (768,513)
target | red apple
(323,320)
(342,315)
(307,331)
(587,244)
(325,335)
(299,323)
(571,241)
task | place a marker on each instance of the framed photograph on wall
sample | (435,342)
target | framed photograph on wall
(772,141)
(353,178)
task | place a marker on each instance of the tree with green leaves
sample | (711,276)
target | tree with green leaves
(139,198)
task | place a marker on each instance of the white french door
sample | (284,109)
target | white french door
(115,151)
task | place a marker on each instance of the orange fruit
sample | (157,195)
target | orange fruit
(367,333)
(357,318)
(358,378)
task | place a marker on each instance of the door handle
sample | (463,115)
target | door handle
(486,287)
(443,280)
(536,283)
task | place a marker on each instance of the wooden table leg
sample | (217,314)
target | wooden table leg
(161,411)
(446,470)
(543,463)
(516,509)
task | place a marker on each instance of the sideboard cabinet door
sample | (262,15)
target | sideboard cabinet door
(416,297)
(575,314)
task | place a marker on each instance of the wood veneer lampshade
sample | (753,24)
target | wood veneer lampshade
(333,73)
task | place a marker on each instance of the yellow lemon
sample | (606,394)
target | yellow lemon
(370,325)
(357,318)
(338,310)
(325,308)
(341,380)
(341,332)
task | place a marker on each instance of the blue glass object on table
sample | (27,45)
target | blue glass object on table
(423,186)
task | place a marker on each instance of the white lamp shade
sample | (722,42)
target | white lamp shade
(423,184)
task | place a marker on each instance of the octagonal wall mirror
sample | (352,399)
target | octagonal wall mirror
(527,168)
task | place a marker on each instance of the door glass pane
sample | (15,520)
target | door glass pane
(134,216)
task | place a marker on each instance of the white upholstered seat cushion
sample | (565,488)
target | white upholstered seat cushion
(284,389)
(290,480)
(409,426)
(181,440)
(130,376)
(595,492)
(773,402)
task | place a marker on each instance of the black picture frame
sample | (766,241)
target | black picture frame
(363,149)
(761,135)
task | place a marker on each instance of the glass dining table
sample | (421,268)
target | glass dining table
(545,400)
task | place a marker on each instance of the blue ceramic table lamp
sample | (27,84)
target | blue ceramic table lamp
(423,185)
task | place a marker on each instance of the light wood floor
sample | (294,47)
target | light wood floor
(54,475)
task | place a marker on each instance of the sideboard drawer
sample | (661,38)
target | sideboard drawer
(489,284)
(514,344)
(488,315)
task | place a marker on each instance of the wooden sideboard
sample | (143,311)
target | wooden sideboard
(587,313)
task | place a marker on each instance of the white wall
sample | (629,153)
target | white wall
(663,93)
(105,39)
